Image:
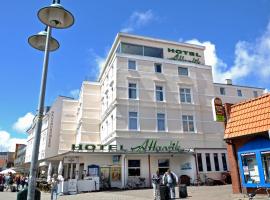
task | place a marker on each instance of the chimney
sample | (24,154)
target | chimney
(228,81)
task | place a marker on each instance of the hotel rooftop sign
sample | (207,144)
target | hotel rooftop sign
(184,55)
(149,145)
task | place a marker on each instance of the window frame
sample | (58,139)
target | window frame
(179,70)
(255,94)
(199,162)
(163,167)
(239,93)
(224,91)
(130,118)
(157,121)
(128,167)
(224,162)
(185,95)
(160,91)
(216,162)
(161,68)
(132,88)
(188,121)
(132,60)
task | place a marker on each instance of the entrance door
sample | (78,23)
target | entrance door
(105,178)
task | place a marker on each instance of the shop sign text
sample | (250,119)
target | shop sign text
(218,110)
(180,55)
(149,145)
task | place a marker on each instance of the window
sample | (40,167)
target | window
(183,71)
(158,68)
(132,91)
(188,123)
(132,64)
(222,91)
(199,161)
(159,93)
(250,168)
(185,95)
(239,93)
(255,93)
(265,156)
(133,121)
(216,161)
(140,50)
(132,49)
(163,165)
(208,162)
(224,162)
(153,52)
(134,168)
(161,121)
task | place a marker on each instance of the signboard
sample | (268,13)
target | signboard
(71,160)
(149,145)
(184,55)
(218,110)
(186,166)
(116,173)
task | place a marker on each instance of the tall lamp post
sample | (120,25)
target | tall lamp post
(53,16)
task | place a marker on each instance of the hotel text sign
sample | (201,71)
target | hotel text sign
(148,145)
(184,55)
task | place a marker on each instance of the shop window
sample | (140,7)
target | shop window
(132,64)
(158,68)
(183,71)
(163,165)
(132,49)
(216,161)
(266,165)
(199,161)
(159,93)
(132,91)
(250,168)
(222,91)
(134,168)
(188,123)
(185,95)
(161,122)
(208,162)
(133,121)
(224,162)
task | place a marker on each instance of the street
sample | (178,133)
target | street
(194,193)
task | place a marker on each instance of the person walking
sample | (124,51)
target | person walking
(170,180)
(156,180)
(18,182)
(54,186)
(22,181)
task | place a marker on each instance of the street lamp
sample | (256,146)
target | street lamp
(53,16)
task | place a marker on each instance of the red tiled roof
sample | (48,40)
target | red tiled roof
(249,117)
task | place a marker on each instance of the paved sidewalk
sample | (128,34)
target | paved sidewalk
(195,193)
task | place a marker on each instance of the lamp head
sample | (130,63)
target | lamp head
(38,41)
(56,16)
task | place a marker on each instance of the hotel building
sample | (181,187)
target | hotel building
(149,109)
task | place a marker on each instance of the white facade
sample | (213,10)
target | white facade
(148,89)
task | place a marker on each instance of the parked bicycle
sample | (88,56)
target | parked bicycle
(136,182)
(253,194)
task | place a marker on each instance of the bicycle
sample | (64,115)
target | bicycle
(197,182)
(136,182)
(253,194)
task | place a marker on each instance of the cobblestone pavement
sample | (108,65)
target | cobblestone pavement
(194,193)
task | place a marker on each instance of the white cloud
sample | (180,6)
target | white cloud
(138,20)
(252,59)
(23,123)
(7,143)
(75,93)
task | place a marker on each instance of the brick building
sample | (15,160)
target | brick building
(248,144)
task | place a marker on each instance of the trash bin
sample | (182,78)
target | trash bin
(164,192)
(22,195)
(1,188)
(183,191)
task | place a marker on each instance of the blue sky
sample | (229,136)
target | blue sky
(235,33)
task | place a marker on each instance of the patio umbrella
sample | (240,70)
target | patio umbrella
(6,171)
(60,168)
(49,172)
